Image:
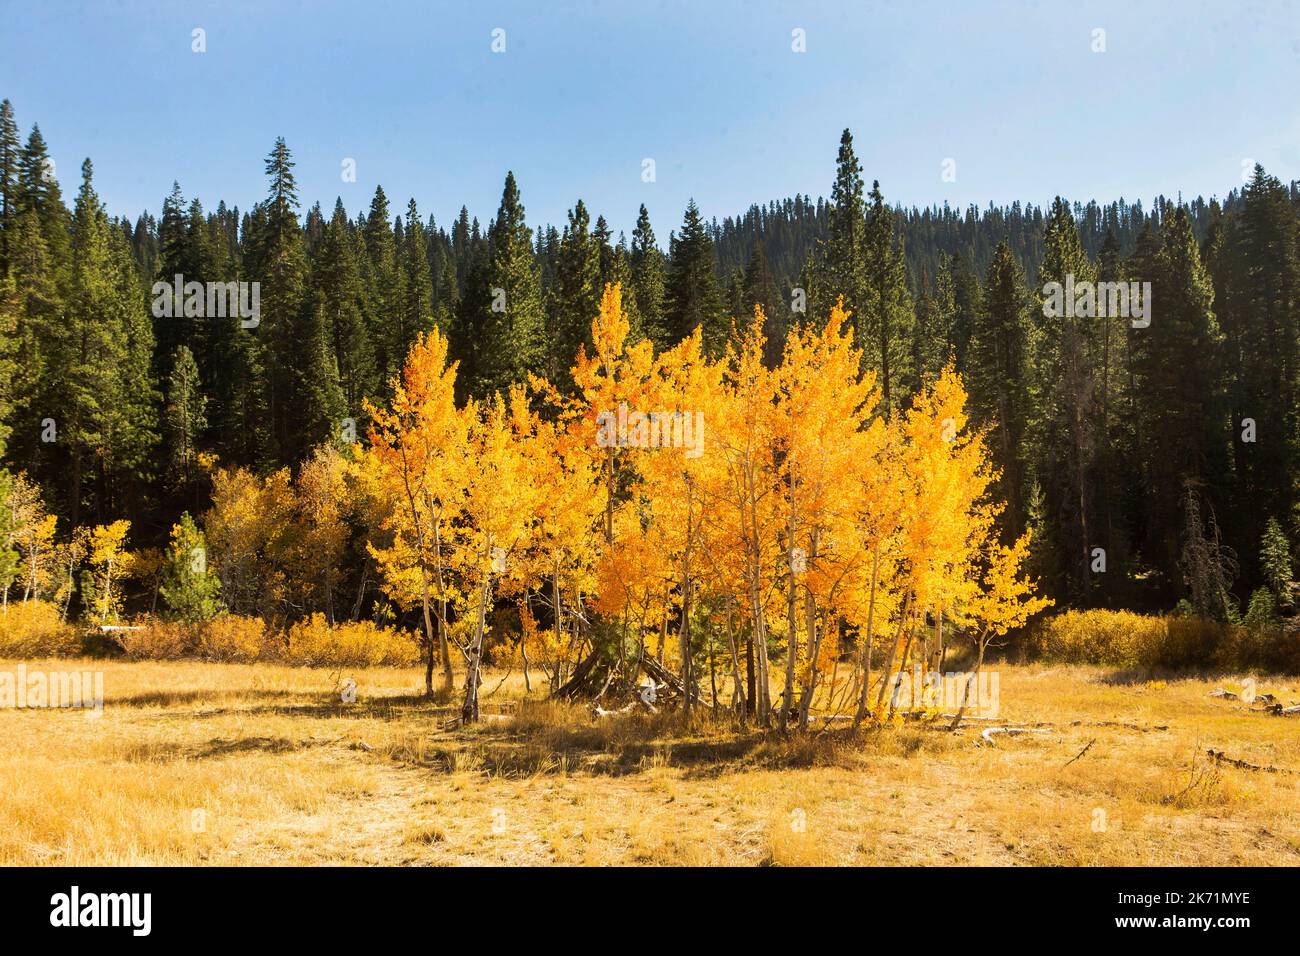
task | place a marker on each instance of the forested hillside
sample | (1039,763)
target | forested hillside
(1153,463)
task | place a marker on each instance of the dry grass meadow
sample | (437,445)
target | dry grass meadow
(284,772)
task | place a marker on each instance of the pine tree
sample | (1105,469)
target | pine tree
(576,295)
(759,289)
(237,391)
(385,293)
(619,273)
(467,342)
(339,300)
(198,265)
(173,259)
(996,370)
(446,295)
(1177,360)
(1275,561)
(36,309)
(691,296)
(647,263)
(184,417)
(615,269)
(1064,396)
(513,321)
(9,299)
(1259,276)
(845,255)
(416,309)
(9,312)
(929,338)
(134,422)
(99,366)
(190,591)
(886,317)
(9,184)
(303,398)
(461,246)
(38,190)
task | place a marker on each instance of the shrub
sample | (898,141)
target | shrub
(314,643)
(35,629)
(1126,639)
(157,640)
(231,637)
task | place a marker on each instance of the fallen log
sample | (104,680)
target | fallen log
(1218,756)
(988,732)
(1124,725)
(578,679)
(1277,709)
(662,675)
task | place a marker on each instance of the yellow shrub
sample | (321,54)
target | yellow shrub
(35,629)
(231,637)
(315,643)
(156,640)
(1126,639)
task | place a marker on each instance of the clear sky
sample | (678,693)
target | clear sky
(712,91)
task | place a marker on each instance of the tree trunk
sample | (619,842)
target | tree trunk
(713,678)
(893,650)
(814,645)
(684,636)
(428,631)
(902,667)
(559,626)
(938,636)
(663,632)
(764,699)
(738,700)
(469,712)
(866,644)
(792,646)
(750,676)
(444,644)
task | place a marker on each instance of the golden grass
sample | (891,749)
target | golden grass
(283,771)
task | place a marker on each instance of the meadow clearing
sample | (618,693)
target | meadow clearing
(257,764)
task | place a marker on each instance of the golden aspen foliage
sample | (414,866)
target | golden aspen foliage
(413,475)
(108,564)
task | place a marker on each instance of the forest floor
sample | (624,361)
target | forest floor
(196,763)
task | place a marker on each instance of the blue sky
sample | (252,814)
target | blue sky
(712,91)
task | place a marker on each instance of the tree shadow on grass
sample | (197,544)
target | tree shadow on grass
(396,707)
(597,751)
(172,698)
(163,752)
